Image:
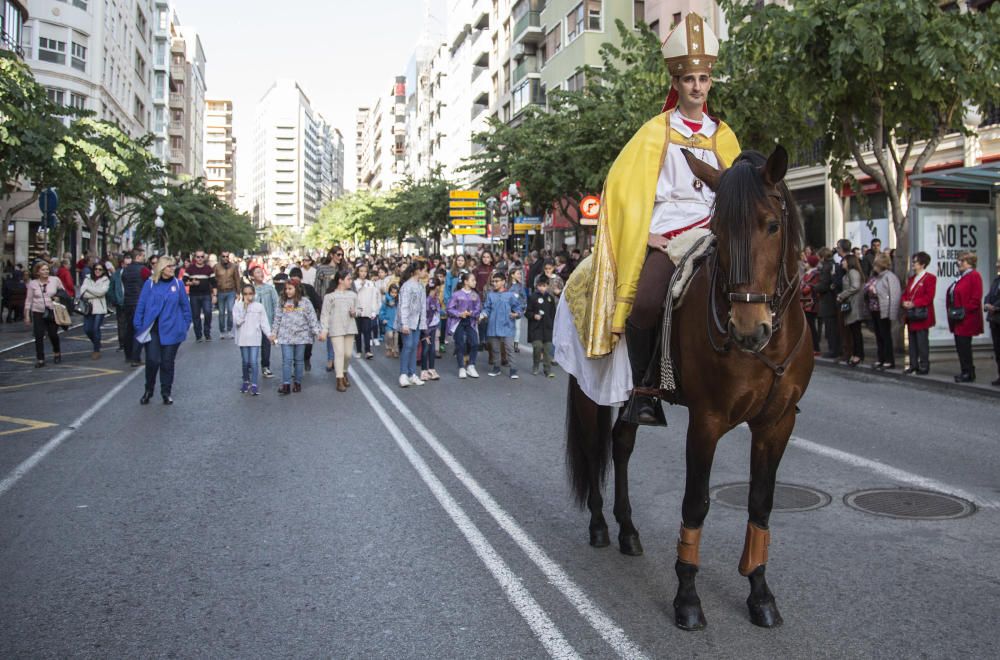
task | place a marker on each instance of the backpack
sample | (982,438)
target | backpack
(116,292)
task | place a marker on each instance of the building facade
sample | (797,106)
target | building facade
(382,139)
(220,149)
(292,160)
(13,15)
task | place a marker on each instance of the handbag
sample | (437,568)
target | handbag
(956,313)
(845,307)
(84,307)
(918,314)
(61,314)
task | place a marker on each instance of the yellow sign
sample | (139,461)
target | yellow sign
(468,222)
(466,213)
(465,204)
(468,231)
(463,194)
(520,228)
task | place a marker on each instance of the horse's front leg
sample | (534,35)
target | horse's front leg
(769,444)
(702,437)
(623,442)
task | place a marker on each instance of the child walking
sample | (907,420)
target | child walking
(295,327)
(340,309)
(463,310)
(411,320)
(367,311)
(541,318)
(517,288)
(250,319)
(501,309)
(428,337)
(387,319)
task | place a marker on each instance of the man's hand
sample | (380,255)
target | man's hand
(405,330)
(322,336)
(274,339)
(514,315)
(538,317)
(658,242)
(990,308)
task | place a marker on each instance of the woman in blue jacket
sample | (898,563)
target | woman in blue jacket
(161,321)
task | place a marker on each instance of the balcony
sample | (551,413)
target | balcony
(527,67)
(175,128)
(529,92)
(177,71)
(176,100)
(528,29)
(177,156)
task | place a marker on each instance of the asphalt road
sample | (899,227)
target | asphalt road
(436,522)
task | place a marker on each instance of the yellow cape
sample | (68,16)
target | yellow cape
(623,227)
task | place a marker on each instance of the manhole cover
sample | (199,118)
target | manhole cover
(910,504)
(787,497)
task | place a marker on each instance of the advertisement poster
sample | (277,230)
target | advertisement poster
(861,232)
(944,235)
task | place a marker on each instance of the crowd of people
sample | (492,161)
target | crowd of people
(414,307)
(848,287)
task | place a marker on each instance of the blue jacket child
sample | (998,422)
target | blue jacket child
(498,308)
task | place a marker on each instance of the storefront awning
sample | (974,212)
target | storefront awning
(982,177)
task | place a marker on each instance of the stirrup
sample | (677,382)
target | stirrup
(631,412)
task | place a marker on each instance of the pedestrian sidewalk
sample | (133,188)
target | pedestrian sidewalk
(944,368)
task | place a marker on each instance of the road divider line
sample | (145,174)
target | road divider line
(47,448)
(537,619)
(598,620)
(891,472)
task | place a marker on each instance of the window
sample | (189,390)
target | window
(176,142)
(576,82)
(82,4)
(79,56)
(574,23)
(140,66)
(26,41)
(159,82)
(585,16)
(161,53)
(655,27)
(176,115)
(78,101)
(553,44)
(140,21)
(594,15)
(50,50)
(675,20)
(140,111)
(638,12)
(56,96)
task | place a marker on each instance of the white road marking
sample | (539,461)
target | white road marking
(891,472)
(529,609)
(599,621)
(32,340)
(45,449)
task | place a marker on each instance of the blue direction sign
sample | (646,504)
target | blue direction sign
(48,201)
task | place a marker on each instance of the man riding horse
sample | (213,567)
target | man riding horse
(651,197)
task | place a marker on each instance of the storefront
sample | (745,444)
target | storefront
(955,212)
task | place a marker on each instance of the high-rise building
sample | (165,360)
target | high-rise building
(381,157)
(331,170)
(220,149)
(291,177)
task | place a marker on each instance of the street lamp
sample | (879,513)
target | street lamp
(159,227)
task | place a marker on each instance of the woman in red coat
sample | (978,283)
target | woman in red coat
(965,313)
(918,303)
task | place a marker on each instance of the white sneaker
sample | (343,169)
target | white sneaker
(415,380)
(376,342)
(471,370)
(357,356)
(462,373)
(403,380)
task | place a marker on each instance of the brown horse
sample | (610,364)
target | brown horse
(739,348)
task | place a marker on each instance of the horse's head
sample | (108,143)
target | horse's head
(752,222)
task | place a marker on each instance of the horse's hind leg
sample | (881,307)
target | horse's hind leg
(702,437)
(623,442)
(588,445)
(769,444)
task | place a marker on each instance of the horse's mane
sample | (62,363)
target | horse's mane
(740,191)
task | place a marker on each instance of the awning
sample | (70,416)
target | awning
(982,177)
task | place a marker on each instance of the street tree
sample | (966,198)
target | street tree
(31,136)
(852,75)
(194,218)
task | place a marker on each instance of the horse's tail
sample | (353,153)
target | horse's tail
(588,442)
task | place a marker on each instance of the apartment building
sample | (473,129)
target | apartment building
(220,149)
(331,162)
(13,15)
(291,177)
(382,139)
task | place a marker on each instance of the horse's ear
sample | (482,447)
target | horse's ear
(776,167)
(703,170)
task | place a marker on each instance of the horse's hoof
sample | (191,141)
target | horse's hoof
(630,545)
(599,537)
(689,616)
(764,613)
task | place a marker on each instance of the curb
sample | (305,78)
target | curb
(920,382)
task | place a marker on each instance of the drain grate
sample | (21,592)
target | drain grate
(910,504)
(787,497)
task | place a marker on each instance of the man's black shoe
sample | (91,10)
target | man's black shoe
(167,401)
(996,383)
(965,378)
(923,372)
(146,396)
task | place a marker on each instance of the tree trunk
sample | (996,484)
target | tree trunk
(8,216)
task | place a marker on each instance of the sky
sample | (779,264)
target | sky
(343,53)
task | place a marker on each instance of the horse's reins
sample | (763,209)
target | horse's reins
(779,302)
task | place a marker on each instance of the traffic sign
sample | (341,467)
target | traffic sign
(463,194)
(468,222)
(590,210)
(468,231)
(527,220)
(48,201)
(466,213)
(520,228)
(465,204)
